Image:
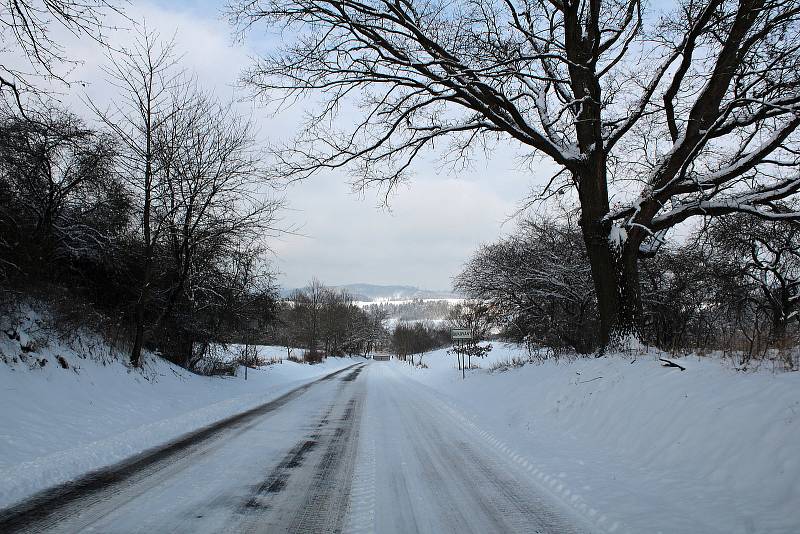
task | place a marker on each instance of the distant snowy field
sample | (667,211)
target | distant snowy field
(58,423)
(388,300)
(637,447)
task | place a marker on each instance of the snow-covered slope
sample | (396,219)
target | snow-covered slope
(57,423)
(639,447)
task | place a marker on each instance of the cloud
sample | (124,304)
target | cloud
(433,227)
(203,41)
(434,224)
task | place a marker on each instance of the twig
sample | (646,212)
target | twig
(590,380)
(668,363)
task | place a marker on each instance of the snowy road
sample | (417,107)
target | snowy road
(364,450)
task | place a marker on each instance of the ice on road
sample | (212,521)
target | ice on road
(365,450)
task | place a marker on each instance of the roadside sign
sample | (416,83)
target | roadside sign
(461,334)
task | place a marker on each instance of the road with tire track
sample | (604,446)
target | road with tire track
(365,449)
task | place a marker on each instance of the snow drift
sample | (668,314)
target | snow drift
(644,447)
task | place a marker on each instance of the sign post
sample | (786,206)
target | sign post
(461,336)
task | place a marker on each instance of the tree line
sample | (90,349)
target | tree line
(324,321)
(414,309)
(154,215)
(417,338)
(733,285)
(652,115)
(659,120)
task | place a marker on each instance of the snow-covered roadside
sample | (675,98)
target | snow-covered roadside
(56,423)
(638,447)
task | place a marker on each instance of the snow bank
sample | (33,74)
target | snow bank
(57,423)
(639,447)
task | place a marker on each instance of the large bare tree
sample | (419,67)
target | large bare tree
(211,184)
(687,113)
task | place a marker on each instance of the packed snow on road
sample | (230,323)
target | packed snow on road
(360,446)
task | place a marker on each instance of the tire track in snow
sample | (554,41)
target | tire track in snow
(553,484)
(309,489)
(143,471)
(360,517)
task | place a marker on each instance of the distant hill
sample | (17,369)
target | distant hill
(373,292)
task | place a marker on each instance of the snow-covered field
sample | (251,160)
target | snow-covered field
(387,300)
(58,423)
(637,447)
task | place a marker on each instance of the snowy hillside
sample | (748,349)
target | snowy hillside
(638,447)
(66,411)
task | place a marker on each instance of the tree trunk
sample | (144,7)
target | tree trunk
(144,292)
(138,339)
(778,323)
(615,267)
(139,316)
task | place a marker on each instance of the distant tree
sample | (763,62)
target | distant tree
(467,349)
(477,316)
(409,339)
(306,316)
(375,334)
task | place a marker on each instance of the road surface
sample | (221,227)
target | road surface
(363,450)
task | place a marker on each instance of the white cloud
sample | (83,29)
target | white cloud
(433,226)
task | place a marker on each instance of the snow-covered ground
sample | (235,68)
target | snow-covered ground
(637,447)
(57,423)
(387,300)
(627,444)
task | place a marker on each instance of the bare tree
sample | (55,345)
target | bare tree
(212,185)
(477,316)
(538,285)
(689,114)
(307,310)
(148,80)
(61,199)
(767,255)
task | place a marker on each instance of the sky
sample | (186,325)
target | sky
(431,226)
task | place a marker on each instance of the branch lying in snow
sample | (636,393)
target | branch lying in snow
(590,380)
(668,363)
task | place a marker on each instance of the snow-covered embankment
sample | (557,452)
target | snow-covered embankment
(638,447)
(57,423)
